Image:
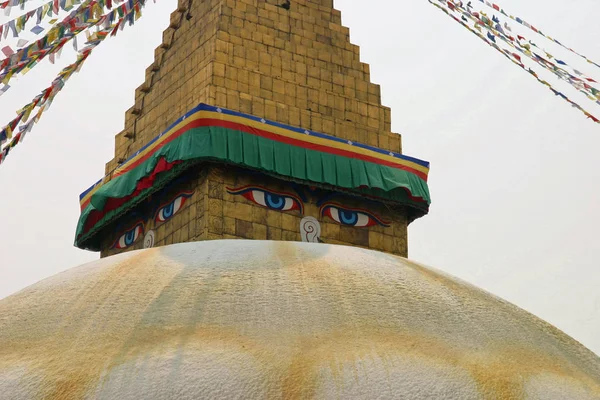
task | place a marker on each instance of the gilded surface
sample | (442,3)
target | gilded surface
(257,319)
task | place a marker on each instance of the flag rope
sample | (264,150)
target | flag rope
(18,24)
(534,29)
(45,98)
(592,93)
(576,81)
(87,15)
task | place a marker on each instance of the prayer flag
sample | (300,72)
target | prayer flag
(37,29)
(7,51)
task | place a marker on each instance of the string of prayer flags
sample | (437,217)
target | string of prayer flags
(17,25)
(561,73)
(577,83)
(87,15)
(536,30)
(13,133)
(49,9)
(9,4)
(523,49)
(41,101)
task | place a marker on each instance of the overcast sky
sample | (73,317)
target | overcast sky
(515,176)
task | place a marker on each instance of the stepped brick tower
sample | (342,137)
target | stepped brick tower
(256,120)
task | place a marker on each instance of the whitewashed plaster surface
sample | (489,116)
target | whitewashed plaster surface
(257,319)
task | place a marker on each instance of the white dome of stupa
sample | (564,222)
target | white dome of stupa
(269,320)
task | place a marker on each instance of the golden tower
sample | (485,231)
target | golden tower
(291,67)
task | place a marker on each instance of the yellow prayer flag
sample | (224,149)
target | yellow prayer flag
(28,112)
(7,77)
(52,35)
(39,114)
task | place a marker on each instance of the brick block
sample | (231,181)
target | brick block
(244,229)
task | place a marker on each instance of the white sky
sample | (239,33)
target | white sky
(515,176)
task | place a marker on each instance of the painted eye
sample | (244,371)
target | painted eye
(351,217)
(167,211)
(270,199)
(129,237)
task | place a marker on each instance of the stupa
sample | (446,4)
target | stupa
(252,227)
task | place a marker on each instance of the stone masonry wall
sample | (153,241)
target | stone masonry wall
(214,213)
(234,217)
(293,66)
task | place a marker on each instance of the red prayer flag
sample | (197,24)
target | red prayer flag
(496,7)
(15,140)
(590,116)
(114,31)
(7,51)
(47,93)
(521,37)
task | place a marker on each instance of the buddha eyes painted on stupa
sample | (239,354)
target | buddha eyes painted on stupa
(168,210)
(357,217)
(164,212)
(238,203)
(286,201)
(129,237)
(273,200)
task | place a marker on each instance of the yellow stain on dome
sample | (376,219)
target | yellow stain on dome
(291,316)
